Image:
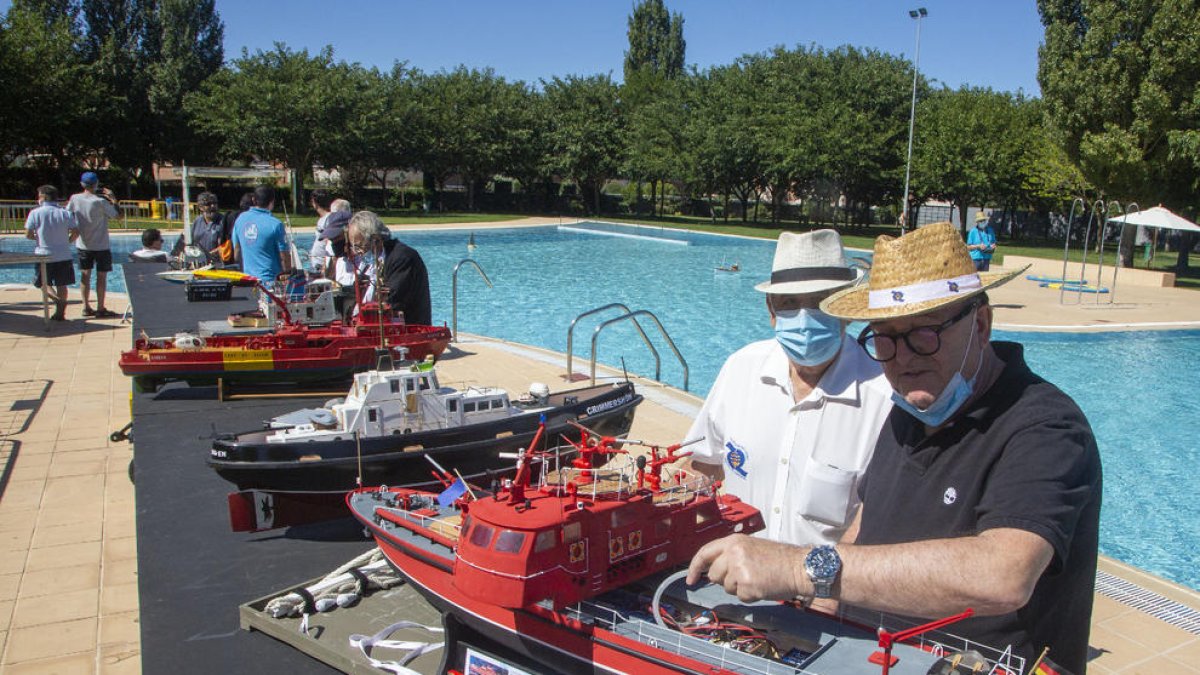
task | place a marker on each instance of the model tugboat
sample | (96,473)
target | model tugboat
(382,432)
(562,570)
(292,352)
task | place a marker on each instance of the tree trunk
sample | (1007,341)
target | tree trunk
(1127,239)
(637,204)
(962,217)
(1186,241)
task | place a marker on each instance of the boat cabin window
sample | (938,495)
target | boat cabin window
(703,516)
(395,386)
(410,386)
(622,517)
(372,414)
(424,382)
(572,532)
(469,407)
(662,528)
(497,404)
(481,536)
(546,539)
(509,541)
(452,405)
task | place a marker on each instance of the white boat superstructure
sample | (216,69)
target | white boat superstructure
(404,400)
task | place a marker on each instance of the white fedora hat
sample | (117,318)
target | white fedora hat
(809,262)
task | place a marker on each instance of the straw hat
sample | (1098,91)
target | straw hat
(807,263)
(915,274)
(981,216)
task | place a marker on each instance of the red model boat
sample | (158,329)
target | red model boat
(290,353)
(561,571)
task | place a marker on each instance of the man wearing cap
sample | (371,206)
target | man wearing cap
(984,490)
(259,240)
(981,242)
(790,423)
(93,206)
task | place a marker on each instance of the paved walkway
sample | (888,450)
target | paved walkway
(68,569)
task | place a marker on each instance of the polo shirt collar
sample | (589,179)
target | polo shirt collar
(839,383)
(259,209)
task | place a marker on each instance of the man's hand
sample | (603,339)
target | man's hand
(751,568)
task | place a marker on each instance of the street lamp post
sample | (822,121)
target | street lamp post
(918,14)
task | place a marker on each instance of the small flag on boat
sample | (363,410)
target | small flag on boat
(456,490)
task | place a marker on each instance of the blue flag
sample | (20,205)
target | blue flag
(456,490)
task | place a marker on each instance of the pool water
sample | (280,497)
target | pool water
(1134,386)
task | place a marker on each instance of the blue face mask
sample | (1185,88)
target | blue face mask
(809,337)
(956,393)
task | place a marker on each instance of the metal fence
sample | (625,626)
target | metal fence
(133,214)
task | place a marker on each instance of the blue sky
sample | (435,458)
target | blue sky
(990,43)
(978,42)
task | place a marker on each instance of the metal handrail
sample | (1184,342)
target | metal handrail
(1125,211)
(666,336)
(454,292)
(638,326)
(1062,289)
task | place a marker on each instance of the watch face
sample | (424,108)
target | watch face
(822,562)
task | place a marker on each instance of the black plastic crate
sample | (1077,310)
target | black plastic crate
(206,290)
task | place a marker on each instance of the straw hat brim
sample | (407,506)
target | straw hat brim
(851,304)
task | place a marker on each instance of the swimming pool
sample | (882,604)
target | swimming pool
(1132,386)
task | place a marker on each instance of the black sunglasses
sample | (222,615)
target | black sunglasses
(922,340)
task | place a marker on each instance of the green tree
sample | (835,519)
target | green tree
(190,51)
(52,100)
(585,131)
(1121,81)
(656,41)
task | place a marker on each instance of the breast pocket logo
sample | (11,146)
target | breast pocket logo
(950,496)
(735,457)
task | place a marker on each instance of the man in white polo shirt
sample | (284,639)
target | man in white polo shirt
(791,423)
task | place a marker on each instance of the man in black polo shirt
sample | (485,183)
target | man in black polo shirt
(984,489)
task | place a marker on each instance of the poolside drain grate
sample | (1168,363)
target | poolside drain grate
(1129,593)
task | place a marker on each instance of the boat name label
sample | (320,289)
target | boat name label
(248,359)
(609,405)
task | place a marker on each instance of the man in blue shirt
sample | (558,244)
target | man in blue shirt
(981,242)
(259,240)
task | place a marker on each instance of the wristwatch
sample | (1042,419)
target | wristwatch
(823,565)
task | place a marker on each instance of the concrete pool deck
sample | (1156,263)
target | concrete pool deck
(68,569)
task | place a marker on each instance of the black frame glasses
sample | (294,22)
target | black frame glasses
(922,340)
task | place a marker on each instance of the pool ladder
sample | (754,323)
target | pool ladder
(631,316)
(454,292)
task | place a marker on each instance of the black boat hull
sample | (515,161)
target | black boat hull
(334,466)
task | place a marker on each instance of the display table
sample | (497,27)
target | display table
(32,259)
(193,572)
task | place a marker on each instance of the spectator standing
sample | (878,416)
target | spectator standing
(318,255)
(53,228)
(93,207)
(981,242)
(259,240)
(405,279)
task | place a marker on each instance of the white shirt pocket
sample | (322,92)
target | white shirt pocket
(826,494)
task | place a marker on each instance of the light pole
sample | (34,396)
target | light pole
(918,14)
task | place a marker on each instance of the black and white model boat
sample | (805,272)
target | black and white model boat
(389,422)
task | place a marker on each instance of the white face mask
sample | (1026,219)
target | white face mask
(953,396)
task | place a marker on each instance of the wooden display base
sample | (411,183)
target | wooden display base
(228,391)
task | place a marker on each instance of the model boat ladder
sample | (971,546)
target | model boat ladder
(631,316)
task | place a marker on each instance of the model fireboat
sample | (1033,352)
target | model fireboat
(292,352)
(562,570)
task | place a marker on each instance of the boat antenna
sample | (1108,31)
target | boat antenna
(624,370)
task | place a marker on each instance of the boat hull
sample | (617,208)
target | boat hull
(250,463)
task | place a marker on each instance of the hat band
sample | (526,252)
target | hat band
(812,274)
(923,292)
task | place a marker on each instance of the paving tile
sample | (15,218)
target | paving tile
(120,628)
(61,580)
(1188,653)
(116,549)
(89,468)
(1158,635)
(12,561)
(67,555)
(120,572)
(98,439)
(22,494)
(71,664)
(6,610)
(60,535)
(118,598)
(1161,665)
(1119,652)
(68,606)
(120,525)
(9,584)
(121,659)
(68,515)
(57,639)
(72,490)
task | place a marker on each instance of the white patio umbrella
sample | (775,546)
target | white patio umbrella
(1157,216)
